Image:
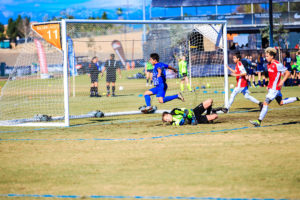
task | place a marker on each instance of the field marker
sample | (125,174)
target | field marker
(127,197)
(144,138)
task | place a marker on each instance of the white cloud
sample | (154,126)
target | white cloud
(7,13)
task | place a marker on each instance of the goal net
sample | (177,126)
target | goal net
(102,66)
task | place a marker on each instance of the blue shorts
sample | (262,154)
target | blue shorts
(260,69)
(251,71)
(160,90)
(150,70)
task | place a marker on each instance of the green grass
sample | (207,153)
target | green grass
(246,163)
(28,97)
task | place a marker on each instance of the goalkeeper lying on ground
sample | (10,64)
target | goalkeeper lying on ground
(183,116)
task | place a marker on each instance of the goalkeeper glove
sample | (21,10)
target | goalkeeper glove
(194,121)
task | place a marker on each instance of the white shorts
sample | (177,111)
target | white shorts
(272,94)
(243,90)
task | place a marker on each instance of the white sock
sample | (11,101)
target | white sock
(231,99)
(263,112)
(289,100)
(251,98)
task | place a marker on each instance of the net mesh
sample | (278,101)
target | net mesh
(119,71)
(27,93)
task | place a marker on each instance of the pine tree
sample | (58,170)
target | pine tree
(2,35)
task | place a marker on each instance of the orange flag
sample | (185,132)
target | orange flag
(49,32)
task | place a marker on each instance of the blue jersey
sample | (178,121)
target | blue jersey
(260,62)
(162,79)
(287,62)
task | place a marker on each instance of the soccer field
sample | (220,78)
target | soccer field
(136,155)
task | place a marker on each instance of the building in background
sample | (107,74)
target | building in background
(246,18)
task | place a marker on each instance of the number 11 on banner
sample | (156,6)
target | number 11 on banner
(49,32)
(55,33)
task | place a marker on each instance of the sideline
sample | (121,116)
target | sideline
(127,197)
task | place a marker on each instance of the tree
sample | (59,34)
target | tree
(23,26)
(11,29)
(280,34)
(280,7)
(247,8)
(2,35)
(104,15)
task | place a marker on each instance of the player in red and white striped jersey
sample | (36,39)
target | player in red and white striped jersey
(275,70)
(242,84)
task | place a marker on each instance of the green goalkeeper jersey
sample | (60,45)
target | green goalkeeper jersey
(182,116)
(182,67)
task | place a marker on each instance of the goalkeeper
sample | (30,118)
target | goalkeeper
(184,74)
(183,116)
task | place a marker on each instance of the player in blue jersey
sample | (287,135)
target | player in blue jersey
(287,63)
(159,81)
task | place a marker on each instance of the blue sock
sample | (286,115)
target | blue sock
(170,98)
(259,83)
(264,82)
(148,100)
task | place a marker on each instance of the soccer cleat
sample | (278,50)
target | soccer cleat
(215,110)
(298,98)
(225,110)
(147,109)
(261,105)
(180,96)
(113,95)
(92,95)
(256,123)
(108,95)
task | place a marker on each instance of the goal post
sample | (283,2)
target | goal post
(30,99)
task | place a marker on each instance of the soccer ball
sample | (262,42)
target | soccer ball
(121,88)
(231,86)
(207,85)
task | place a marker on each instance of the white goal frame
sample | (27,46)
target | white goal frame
(64,44)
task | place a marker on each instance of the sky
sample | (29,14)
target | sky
(44,10)
(41,10)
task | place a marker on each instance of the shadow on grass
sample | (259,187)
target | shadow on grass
(93,121)
(284,123)
(120,95)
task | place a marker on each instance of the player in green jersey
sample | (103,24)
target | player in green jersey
(183,71)
(183,116)
(296,70)
(149,73)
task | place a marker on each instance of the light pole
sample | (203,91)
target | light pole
(271,22)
